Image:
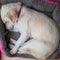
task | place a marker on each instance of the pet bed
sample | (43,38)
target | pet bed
(51,10)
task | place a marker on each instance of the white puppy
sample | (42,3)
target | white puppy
(43,31)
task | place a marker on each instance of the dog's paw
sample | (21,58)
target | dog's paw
(13,41)
(11,46)
(13,51)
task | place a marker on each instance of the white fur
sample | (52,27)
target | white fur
(36,25)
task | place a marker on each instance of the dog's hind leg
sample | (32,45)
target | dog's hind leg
(35,48)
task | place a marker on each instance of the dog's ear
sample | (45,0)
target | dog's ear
(12,15)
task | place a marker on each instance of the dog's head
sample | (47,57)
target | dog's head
(10,19)
(9,14)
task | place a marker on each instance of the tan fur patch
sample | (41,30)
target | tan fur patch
(12,15)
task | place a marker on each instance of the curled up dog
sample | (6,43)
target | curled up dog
(36,25)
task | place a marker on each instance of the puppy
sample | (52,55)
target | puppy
(42,30)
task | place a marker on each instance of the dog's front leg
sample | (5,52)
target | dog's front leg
(24,36)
